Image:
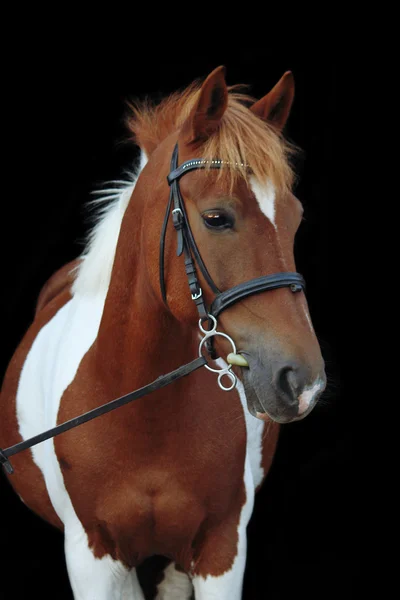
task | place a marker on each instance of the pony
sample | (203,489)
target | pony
(173,474)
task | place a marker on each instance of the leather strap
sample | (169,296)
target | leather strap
(193,246)
(159,383)
(186,244)
(162,250)
(191,165)
(261,284)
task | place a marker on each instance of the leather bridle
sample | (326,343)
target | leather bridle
(187,246)
(223,300)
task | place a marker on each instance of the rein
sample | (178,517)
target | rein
(157,384)
(187,246)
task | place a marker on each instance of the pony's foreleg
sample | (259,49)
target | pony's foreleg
(228,585)
(228,539)
(94,578)
(175,585)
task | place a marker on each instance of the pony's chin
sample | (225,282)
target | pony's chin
(266,417)
(266,406)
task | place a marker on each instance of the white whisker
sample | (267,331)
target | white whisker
(109,190)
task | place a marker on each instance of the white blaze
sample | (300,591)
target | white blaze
(265,196)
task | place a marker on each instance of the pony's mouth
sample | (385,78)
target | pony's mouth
(265,401)
(257,407)
(254,404)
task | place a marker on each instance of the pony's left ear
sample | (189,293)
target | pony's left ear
(275,106)
(207,113)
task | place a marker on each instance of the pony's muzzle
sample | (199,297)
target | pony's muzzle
(284,391)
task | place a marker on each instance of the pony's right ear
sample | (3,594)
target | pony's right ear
(210,106)
(275,106)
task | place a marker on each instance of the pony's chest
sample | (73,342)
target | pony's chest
(165,519)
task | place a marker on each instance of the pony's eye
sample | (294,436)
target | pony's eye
(217,219)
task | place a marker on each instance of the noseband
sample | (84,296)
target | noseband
(187,246)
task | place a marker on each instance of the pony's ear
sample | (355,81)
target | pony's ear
(211,104)
(275,106)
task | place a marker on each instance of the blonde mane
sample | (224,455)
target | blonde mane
(242,136)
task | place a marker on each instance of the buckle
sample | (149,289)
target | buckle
(177,218)
(198,295)
(296,287)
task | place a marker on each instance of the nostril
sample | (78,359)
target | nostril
(287,383)
(293,383)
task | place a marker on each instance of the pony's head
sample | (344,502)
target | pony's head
(244,218)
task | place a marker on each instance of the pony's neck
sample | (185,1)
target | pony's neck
(138,338)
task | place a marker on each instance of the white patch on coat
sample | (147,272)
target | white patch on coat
(96,578)
(50,367)
(56,354)
(255,431)
(306,398)
(229,585)
(94,272)
(175,585)
(265,195)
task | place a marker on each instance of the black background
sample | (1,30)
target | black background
(64,124)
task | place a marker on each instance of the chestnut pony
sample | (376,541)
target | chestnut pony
(174,473)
